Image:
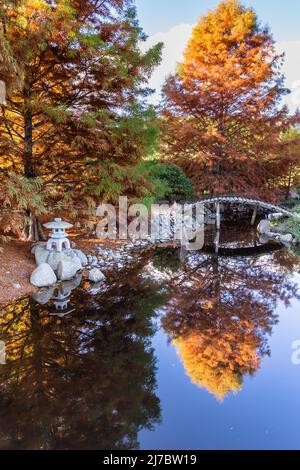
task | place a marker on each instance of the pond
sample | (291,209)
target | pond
(192,352)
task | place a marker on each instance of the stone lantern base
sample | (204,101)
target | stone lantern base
(58,243)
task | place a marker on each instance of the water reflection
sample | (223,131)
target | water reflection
(81,369)
(60,297)
(222,312)
(86,380)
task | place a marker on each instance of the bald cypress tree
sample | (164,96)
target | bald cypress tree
(222,110)
(76,118)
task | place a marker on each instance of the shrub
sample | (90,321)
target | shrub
(171,182)
(296,250)
(293,227)
(297,209)
(290,203)
(290,225)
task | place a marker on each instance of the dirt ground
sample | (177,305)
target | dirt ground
(17,264)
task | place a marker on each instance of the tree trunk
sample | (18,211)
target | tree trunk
(219,151)
(29,171)
(289,182)
(32,228)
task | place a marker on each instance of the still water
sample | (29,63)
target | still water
(193,353)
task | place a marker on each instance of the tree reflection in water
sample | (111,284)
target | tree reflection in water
(84,381)
(221,313)
(88,380)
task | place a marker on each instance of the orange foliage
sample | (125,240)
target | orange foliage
(218,362)
(222,117)
(222,312)
(78,64)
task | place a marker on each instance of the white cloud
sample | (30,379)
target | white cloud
(175,41)
(291,70)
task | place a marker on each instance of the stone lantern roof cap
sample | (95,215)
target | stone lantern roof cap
(58,223)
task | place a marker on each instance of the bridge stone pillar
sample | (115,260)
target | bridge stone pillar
(254,216)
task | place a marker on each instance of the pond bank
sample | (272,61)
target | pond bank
(112,257)
(17,264)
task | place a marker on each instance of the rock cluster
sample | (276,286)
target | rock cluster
(53,265)
(118,259)
(63,266)
(264,228)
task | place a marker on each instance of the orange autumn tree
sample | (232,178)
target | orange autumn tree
(221,111)
(218,361)
(222,312)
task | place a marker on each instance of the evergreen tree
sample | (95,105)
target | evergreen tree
(78,118)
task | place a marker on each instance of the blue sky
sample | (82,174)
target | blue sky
(171,21)
(160,15)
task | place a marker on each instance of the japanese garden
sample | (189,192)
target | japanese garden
(149,233)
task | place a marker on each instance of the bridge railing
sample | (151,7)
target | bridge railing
(243,200)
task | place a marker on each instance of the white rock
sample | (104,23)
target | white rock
(264,226)
(275,216)
(16,286)
(263,239)
(36,245)
(288,238)
(95,275)
(43,276)
(294,195)
(81,256)
(68,267)
(41,254)
(55,257)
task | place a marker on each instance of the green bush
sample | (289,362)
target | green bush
(297,209)
(290,203)
(296,250)
(290,225)
(170,181)
(293,227)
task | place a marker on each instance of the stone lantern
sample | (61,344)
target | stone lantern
(58,237)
